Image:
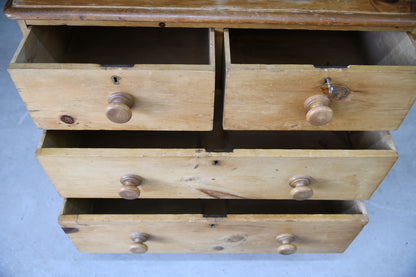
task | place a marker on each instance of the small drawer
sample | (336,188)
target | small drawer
(251,165)
(119,78)
(211,226)
(318,80)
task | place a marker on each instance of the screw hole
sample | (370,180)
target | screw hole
(162,24)
(212,225)
(216,162)
(116,80)
(327,81)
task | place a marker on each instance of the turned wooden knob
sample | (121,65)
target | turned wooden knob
(119,107)
(300,185)
(317,109)
(286,247)
(129,189)
(138,246)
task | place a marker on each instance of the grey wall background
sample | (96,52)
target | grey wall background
(33,244)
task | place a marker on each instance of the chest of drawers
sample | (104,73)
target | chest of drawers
(193,127)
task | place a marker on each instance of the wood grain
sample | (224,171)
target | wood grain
(218,25)
(194,233)
(350,14)
(22,26)
(261,95)
(324,6)
(185,171)
(167,96)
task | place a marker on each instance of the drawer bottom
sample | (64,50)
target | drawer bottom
(211,226)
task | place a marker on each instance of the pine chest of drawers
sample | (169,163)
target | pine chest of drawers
(198,127)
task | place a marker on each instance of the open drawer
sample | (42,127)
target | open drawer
(252,165)
(211,226)
(318,80)
(116,77)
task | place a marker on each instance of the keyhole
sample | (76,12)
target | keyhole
(116,80)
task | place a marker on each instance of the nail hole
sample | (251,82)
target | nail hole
(116,80)
(67,119)
(218,248)
(212,225)
(162,24)
(216,162)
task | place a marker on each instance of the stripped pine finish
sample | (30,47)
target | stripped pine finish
(270,75)
(192,230)
(181,121)
(175,93)
(91,165)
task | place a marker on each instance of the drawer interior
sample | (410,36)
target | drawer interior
(320,48)
(230,140)
(121,46)
(210,207)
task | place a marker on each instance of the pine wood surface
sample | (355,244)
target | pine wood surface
(175,93)
(190,166)
(348,14)
(269,75)
(258,167)
(316,231)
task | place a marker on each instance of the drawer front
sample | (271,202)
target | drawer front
(73,94)
(194,233)
(242,173)
(268,93)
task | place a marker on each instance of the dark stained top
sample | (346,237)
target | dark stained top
(400,14)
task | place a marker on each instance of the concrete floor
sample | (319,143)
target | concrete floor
(33,244)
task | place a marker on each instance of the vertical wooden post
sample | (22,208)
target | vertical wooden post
(22,26)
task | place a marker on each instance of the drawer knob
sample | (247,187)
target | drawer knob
(119,107)
(138,246)
(286,247)
(300,185)
(317,109)
(130,189)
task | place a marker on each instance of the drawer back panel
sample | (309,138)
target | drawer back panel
(116,45)
(320,48)
(230,139)
(209,208)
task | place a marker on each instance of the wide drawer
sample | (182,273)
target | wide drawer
(117,78)
(357,80)
(211,226)
(253,165)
